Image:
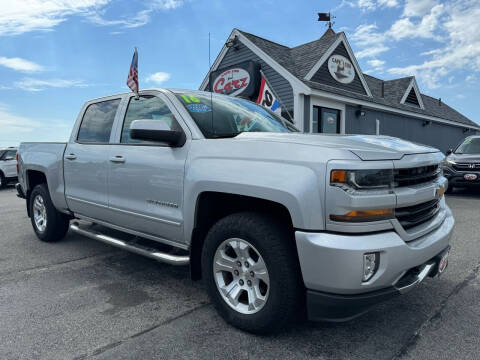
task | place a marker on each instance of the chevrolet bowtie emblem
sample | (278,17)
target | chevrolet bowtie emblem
(440,191)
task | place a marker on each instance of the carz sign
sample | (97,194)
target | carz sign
(231,82)
(237,80)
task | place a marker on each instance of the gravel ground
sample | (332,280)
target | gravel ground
(83,299)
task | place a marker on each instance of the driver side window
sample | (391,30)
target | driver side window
(147,107)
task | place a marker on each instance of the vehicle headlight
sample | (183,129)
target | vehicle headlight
(363,179)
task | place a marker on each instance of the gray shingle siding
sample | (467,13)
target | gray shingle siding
(323,75)
(441,136)
(280,85)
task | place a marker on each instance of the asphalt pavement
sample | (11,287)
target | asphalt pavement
(81,299)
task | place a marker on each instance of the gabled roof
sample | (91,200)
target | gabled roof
(300,60)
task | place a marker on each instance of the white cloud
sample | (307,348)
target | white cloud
(372,51)
(158,78)
(418,7)
(370,39)
(376,64)
(21,16)
(18,17)
(138,19)
(20,64)
(13,124)
(461,50)
(369,5)
(425,28)
(16,129)
(30,84)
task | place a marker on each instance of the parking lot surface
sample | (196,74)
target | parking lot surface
(82,299)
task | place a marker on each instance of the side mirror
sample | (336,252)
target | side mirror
(449,151)
(156,130)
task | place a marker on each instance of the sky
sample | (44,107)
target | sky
(57,54)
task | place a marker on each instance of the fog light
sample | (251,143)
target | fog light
(370,265)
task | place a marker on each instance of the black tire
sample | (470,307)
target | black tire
(275,244)
(3,181)
(57,223)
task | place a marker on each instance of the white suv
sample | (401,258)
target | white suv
(8,165)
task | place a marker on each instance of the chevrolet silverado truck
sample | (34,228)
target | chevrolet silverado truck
(278,224)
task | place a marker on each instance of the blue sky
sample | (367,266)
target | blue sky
(55,55)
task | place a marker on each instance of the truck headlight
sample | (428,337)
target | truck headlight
(363,179)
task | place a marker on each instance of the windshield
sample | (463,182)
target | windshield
(223,116)
(469,146)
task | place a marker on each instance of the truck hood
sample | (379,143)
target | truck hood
(366,147)
(467,158)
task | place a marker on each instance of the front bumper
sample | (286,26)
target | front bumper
(332,266)
(458,178)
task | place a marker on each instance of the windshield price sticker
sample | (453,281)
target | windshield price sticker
(199,108)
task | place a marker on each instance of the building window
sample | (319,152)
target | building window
(326,120)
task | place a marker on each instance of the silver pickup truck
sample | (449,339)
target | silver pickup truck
(278,224)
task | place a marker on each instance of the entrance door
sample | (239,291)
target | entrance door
(146,178)
(326,120)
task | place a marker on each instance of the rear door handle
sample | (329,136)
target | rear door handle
(117,159)
(70,157)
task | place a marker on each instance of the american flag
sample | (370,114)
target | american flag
(132,79)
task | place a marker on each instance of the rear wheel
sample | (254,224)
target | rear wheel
(251,272)
(49,224)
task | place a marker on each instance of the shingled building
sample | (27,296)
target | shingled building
(323,90)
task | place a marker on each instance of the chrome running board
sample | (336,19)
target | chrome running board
(133,247)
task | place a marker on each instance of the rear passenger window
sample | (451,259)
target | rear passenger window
(147,107)
(98,121)
(10,154)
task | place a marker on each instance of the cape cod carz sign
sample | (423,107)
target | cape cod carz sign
(341,69)
(238,80)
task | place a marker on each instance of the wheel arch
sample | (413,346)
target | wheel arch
(212,206)
(33,178)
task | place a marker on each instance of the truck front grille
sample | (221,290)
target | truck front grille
(416,175)
(467,166)
(411,216)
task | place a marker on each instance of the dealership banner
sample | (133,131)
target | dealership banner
(267,98)
(240,80)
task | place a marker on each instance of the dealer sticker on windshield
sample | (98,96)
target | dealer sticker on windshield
(199,108)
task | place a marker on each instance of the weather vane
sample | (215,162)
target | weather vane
(327,17)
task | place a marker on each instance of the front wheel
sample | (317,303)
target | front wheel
(251,272)
(49,224)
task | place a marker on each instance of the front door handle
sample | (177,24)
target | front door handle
(117,159)
(70,157)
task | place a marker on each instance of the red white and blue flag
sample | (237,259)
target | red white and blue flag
(267,98)
(132,79)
